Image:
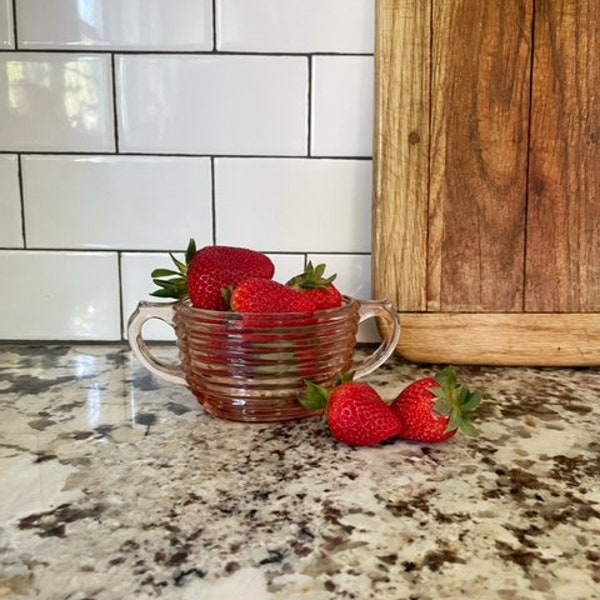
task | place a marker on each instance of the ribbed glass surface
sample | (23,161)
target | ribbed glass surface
(252,367)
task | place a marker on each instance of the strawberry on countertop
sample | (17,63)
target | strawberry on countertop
(354,412)
(206,272)
(313,283)
(433,409)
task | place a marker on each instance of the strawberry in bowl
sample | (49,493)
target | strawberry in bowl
(208,271)
(247,342)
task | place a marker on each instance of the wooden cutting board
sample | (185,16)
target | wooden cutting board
(486,204)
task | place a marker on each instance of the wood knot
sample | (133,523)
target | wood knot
(538,186)
(413,138)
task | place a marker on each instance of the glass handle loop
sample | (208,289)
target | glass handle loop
(143,313)
(384,310)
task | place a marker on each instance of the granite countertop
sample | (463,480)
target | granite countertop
(115,485)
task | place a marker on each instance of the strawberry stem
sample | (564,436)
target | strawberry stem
(456,401)
(316,397)
(312,278)
(173,284)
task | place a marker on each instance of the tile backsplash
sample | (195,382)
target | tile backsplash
(128,127)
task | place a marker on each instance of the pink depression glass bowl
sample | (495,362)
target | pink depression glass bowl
(253,367)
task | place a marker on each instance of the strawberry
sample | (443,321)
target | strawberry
(354,412)
(259,295)
(321,289)
(206,272)
(433,409)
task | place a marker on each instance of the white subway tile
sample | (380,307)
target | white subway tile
(10,204)
(115,24)
(353,272)
(296,25)
(342,106)
(7,39)
(56,102)
(61,295)
(287,266)
(212,104)
(124,202)
(294,205)
(137,285)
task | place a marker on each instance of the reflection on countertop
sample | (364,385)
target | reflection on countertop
(116,485)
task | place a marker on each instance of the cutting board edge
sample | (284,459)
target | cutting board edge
(500,339)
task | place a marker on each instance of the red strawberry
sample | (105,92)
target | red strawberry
(256,295)
(206,272)
(313,283)
(355,413)
(433,409)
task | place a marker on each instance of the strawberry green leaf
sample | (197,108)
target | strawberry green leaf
(164,284)
(447,378)
(163,273)
(473,401)
(164,293)
(469,429)
(226,292)
(344,378)
(180,265)
(462,424)
(171,283)
(312,278)
(190,251)
(456,401)
(316,397)
(443,406)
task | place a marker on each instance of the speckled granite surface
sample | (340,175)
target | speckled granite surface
(114,485)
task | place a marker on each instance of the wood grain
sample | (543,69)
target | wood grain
(487,179)
(563,236)
(535,339)
(479,141)
(401,152)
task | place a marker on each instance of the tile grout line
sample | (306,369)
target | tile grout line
(120,291)
(114,101)
(213,200)
(309,114)
(153,51)
(214,25)
(21,198)
(93,251)
(14,24)
(93,153)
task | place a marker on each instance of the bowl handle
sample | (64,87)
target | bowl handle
(382,309)
(144,312)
